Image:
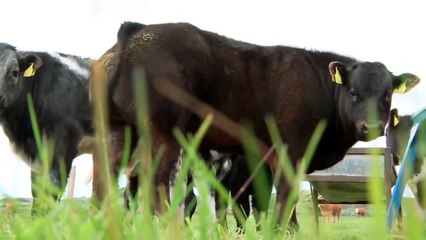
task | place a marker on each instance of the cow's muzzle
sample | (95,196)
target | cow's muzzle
(370,130)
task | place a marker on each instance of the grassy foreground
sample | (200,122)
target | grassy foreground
(74,219)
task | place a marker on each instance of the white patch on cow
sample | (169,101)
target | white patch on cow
(173,190)
(72,64)
(181,209)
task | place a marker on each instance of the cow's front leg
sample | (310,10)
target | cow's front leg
(43,195)
(285,205)
(37,208)
(48,187)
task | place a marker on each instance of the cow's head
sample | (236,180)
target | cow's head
(14,69)
(365,96)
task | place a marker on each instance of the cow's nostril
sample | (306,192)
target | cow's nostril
(364,128)
(373,129)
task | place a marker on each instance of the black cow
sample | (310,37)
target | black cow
(233,172)
(58,84)
(191,73)
(397,137)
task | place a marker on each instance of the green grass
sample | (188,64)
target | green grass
(73,219)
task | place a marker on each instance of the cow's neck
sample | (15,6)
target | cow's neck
(331,149)
(335,143)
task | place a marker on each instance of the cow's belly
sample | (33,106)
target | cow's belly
(216,138)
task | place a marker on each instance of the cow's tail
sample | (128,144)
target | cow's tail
(122,65)
(99,73)
(126,31)
(108,66)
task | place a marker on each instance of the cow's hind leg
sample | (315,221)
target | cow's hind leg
(40,205)
(116,146)
(166,149)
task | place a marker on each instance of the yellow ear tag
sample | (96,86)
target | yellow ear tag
(401,89)
(395,121)
(337,77)
(30,71)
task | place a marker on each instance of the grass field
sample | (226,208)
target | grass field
(75,219)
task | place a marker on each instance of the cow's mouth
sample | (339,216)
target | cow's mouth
(368,131)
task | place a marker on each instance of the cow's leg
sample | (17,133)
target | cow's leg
(173,189)
(282,200)
(64,140)
(237,177)
(244,205)
(116,147)
(167,162)
(162,184)
(98,190)
(190,199)
(262,196)
(39,207)
(293,219)
(131,189)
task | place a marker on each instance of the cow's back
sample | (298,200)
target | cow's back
(60,91)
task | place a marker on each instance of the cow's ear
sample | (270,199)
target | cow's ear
(338,72)
(404,82)
(393,118)
(29,64)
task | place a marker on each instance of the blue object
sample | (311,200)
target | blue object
(405,171)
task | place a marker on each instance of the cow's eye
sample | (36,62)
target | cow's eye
(353,95)
(15,73)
